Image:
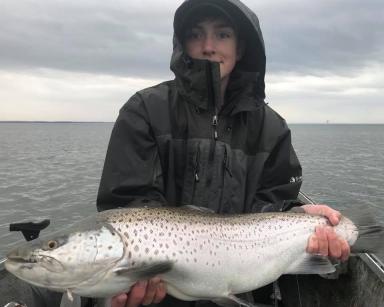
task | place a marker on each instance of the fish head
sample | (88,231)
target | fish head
(78,257)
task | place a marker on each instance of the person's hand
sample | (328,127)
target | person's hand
(142,293)
(325,241)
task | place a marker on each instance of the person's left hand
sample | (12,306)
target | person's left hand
(325,241)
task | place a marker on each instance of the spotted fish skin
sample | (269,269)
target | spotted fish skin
(219,254)
(199,255)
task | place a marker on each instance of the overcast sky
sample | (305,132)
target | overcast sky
(81,60)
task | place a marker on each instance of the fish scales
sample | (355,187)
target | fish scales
(199,243)
(199,255)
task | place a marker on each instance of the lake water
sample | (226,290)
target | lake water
(52,170)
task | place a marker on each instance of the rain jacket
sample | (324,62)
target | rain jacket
(171,142)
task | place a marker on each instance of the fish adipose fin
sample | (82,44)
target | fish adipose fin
(145,271)
(234,301)
(371,232)
(311,264)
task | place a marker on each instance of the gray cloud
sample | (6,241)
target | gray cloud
(338,36)
(86,37)
(133,38)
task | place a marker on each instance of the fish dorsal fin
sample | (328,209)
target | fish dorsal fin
(145,271)
(70,300)
(196,208)
(311,264)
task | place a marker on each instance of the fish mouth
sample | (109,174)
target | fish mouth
(21,259)
(49,263)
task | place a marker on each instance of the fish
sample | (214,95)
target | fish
(199,255)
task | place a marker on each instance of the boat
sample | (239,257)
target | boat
(357,283)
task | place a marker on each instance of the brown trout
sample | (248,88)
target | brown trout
(199,255)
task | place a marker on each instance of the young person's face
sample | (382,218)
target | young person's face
(214,40)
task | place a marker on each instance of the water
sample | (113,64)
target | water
(49,170)
(52,170)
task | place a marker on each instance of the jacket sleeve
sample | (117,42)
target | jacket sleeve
(132,168)
(281,179)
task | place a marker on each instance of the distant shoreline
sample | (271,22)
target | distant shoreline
(111,122)
(52,122)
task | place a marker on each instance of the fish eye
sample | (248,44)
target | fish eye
(52,244)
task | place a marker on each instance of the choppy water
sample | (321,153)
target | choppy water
(52,170)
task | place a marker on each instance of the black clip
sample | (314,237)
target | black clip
(30,230)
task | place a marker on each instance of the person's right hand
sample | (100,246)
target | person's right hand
(142,293)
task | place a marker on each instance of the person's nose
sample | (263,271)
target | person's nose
(208,46)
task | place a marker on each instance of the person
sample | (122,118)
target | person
(207,138)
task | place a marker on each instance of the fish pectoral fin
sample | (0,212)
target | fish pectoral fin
(234,301)
(70,300)
(145,271)
(311,264)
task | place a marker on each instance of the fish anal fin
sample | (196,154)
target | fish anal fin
(70,300)
(234,301)
(145,271)
(311,264)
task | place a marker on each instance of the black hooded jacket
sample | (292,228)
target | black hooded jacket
(171,143)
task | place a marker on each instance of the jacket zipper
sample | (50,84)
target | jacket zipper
(212,98)
(215,122)
(226,170)
(226,163)
(196,178)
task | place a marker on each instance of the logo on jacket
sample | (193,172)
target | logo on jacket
(295,179)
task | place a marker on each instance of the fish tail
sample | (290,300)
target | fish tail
(371,232)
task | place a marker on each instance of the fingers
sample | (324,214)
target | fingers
(313,245)
(334,243)
(152,289)
(137,293)
(323,210)
(160,293)
(325,242)
(119,300)
(142,293)
(322,241)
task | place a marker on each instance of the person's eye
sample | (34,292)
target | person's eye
(193,35)
(224,34)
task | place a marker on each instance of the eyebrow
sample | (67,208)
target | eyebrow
(217,26)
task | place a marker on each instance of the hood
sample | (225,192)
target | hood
(193,75)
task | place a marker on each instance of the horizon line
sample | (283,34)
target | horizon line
(107,122)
